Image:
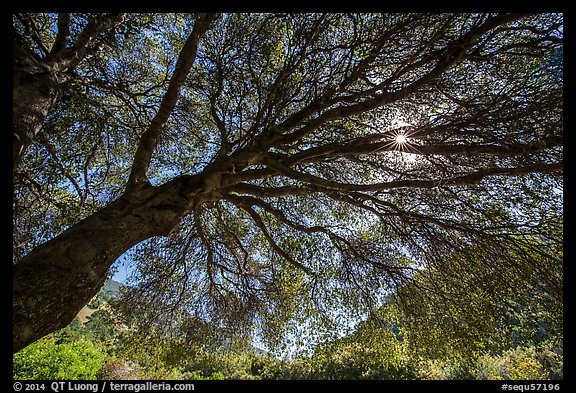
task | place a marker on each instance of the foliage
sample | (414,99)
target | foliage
(49,360)
(306,214)
(377,349)
(119,369)
(490,318)
(521,363)
(372,352)
(197,375)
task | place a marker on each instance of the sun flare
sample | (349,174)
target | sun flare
(401,139)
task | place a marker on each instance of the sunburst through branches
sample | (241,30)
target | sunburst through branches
(400,141)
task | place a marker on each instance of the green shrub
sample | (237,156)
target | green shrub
(520,364)
(198,376)
(371,354)
(48,360)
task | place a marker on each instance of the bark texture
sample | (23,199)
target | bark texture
(294,132)
(80,257)
(34,91)
(37,83)
(54,281)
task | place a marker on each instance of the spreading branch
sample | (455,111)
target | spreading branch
(149,138)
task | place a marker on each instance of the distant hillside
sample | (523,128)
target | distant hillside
(85,314)
(111,289)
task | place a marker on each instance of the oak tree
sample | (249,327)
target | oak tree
(266,167)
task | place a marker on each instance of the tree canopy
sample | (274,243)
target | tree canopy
(277,173)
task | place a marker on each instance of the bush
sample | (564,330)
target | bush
(229,365)
(355,358)
(48,360)
(520,364)
(198,376)
(120,369)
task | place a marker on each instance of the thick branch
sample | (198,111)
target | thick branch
(451,56)
(55,280)
(149,139)
(364,145)
(470,178)
(63,58)
(32,30)
(63,33)
(328,98)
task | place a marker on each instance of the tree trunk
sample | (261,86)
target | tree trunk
(54,281)
(34,92)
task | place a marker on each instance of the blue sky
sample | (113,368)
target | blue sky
(122,269)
